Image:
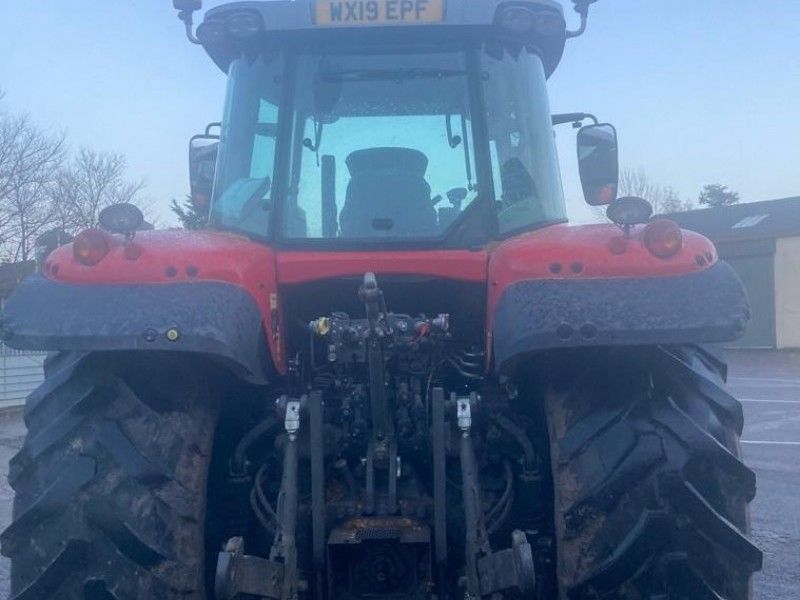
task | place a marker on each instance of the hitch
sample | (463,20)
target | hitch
(372,297)
(239,574)
(275,578)
(284,547)
(487,572)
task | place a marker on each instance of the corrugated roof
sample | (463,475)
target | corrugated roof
(749,221)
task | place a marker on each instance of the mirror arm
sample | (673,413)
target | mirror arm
(210,126)
(576,119)
(188,20)
(581,30)
(582,8)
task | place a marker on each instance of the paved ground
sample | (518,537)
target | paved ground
(12,432)
(769,385)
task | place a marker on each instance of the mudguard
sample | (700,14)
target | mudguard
(212,318)
(702,307)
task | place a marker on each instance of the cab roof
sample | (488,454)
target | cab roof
(280,21)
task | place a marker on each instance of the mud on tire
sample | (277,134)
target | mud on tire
(650,491)
(110,483)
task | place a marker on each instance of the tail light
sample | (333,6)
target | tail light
(663,238)
(90,247)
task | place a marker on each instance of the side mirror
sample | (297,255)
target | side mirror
(202,166)
(598,162)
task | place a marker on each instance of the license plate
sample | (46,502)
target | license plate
(354,13)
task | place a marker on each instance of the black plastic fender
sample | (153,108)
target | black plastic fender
(215,319)
(706,307)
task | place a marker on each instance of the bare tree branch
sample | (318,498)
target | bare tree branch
(40,191)
(636,182)
(88,184)
(29,161)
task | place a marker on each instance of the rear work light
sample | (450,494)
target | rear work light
(90,247)
(520,19)
(242,25)
(663,238)
(239,26)
(188,5)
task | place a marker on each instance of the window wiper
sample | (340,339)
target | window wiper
(397,75)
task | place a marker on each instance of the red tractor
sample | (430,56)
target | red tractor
(387,368)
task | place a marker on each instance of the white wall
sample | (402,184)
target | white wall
(787,292)
(20,374)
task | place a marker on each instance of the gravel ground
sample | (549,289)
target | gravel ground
(769,385)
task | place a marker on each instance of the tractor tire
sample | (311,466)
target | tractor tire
(651,495)
(111,481)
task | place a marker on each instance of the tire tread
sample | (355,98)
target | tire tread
(110,486)
(631,517)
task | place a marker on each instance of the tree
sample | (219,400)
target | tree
(29,162)
(671,202)
(664,199)
(89,183)
(40,191)
(636,182)
(715,194)
(190,215)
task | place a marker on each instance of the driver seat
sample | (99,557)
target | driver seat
(387,195)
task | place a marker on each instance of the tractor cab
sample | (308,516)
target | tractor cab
(375,123)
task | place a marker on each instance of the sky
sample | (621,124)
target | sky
(700,91)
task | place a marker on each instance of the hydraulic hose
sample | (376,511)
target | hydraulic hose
(521,437)
(498,513)
(240,454)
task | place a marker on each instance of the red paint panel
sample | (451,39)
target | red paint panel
(557,252)
(300,267)
(180,257)
(588,252)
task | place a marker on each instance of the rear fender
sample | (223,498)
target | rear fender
(565,288)
(215,319)
(203,292)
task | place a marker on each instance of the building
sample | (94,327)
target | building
(761,240)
